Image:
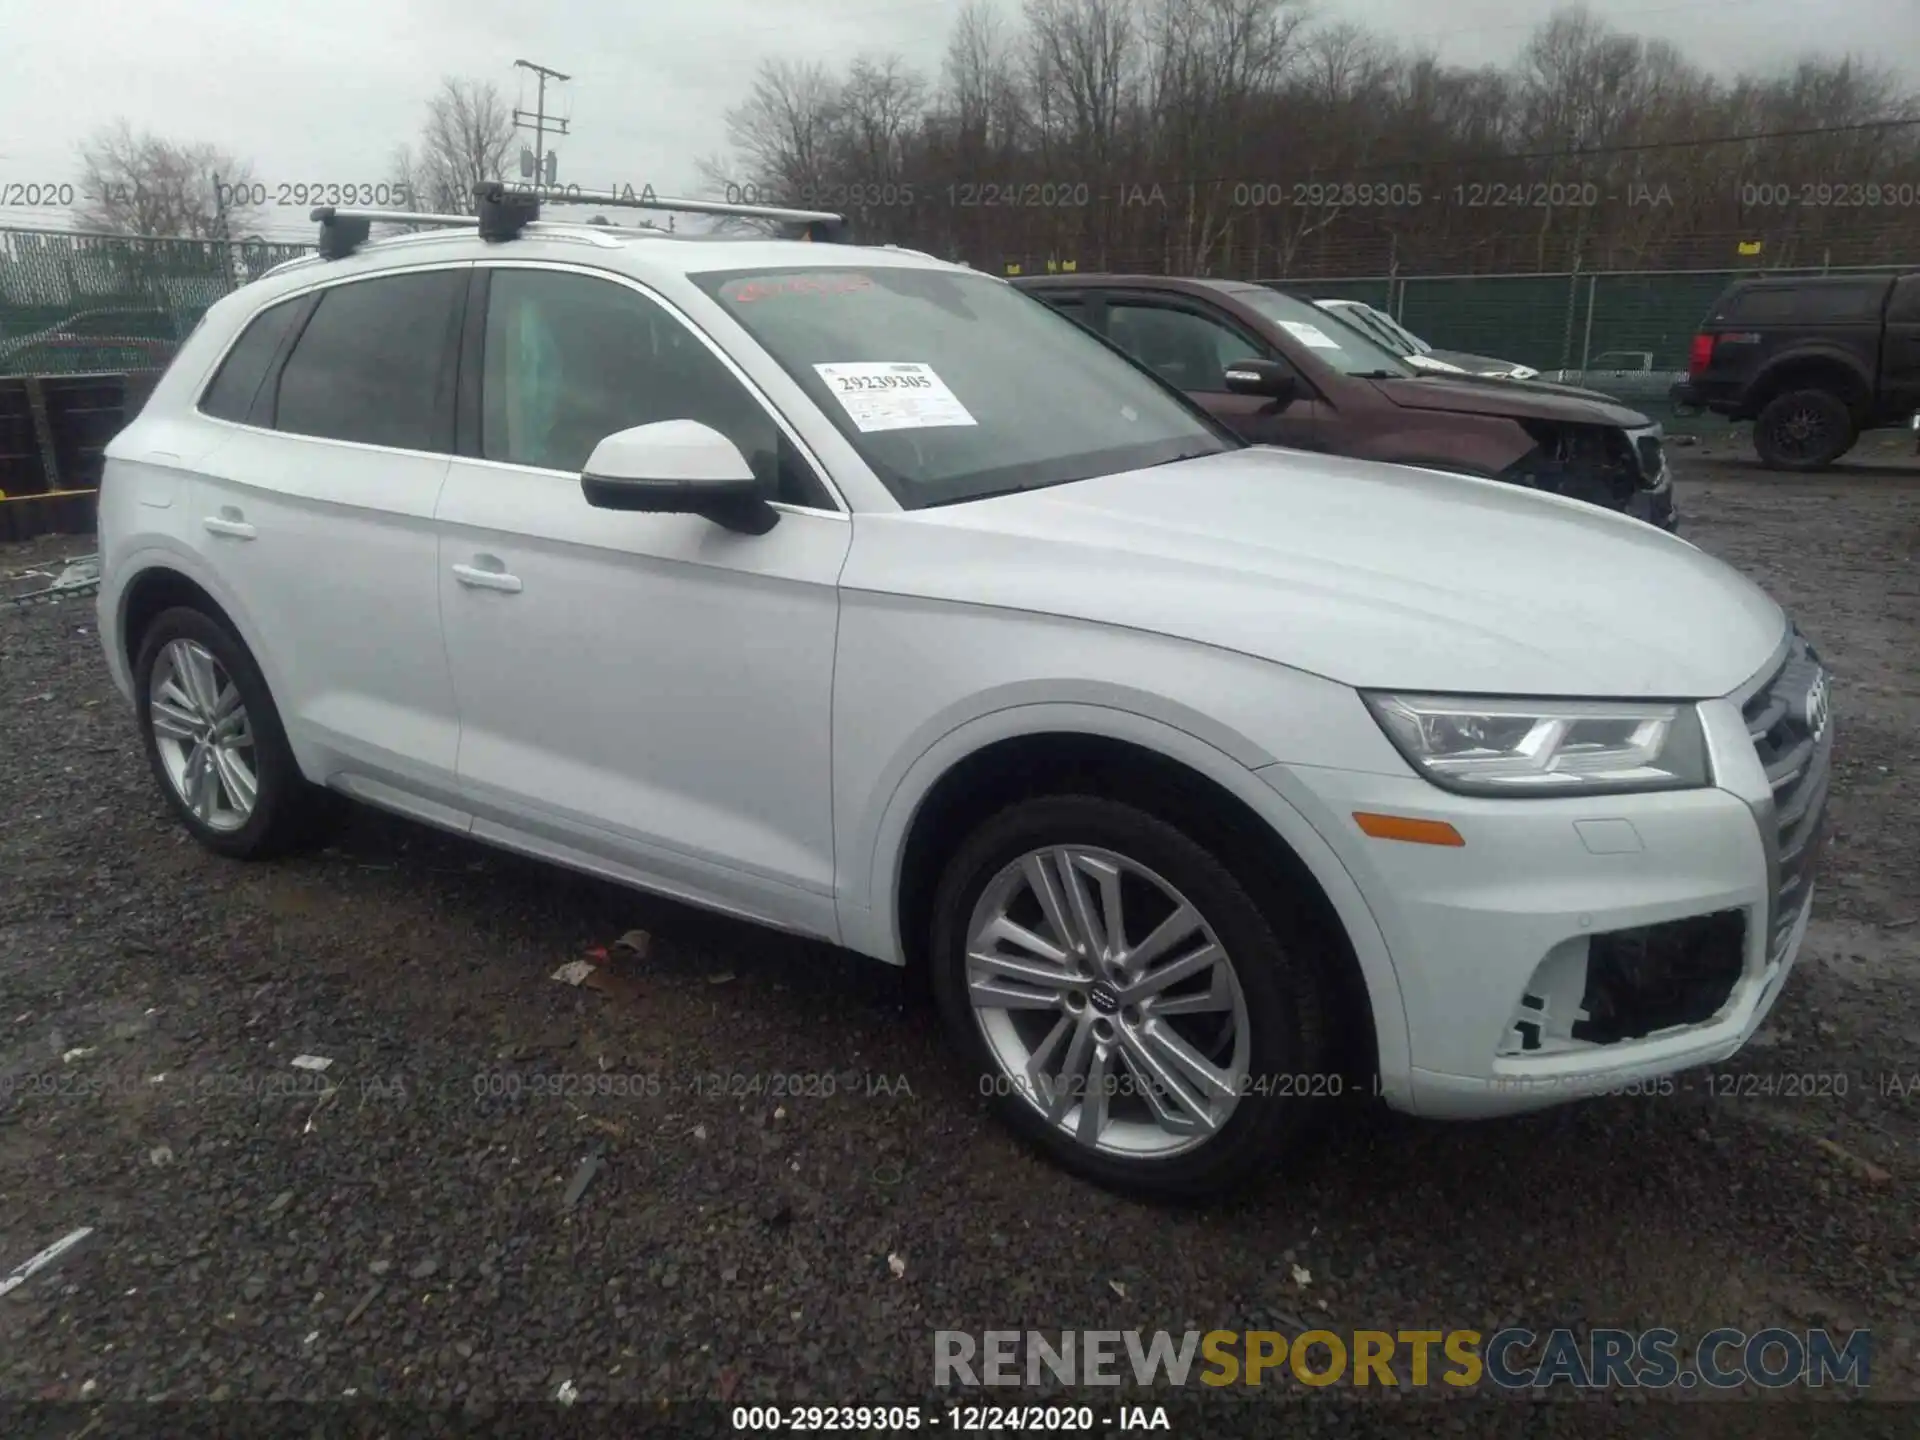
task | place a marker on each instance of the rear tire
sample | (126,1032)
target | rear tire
(215,742)
(1257,1018)
(1803,430)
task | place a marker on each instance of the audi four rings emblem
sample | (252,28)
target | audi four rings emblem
(1817,705)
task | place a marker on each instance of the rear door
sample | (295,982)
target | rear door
(318,513)
(1900,351)
(1191,344)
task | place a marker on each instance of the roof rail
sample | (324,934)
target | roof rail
(504,211)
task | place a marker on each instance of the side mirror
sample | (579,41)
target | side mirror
(677,467)
(1262,377)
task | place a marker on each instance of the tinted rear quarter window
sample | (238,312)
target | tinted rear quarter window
(1810,304)
(371,364)
(230,396)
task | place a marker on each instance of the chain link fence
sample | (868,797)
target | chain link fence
(1623,333)
(73,304)
(86,323)
(78,311)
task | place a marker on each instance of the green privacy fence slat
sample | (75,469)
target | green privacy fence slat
(70,304)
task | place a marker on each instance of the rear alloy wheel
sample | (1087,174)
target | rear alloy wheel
(214,739)
(1803,430)
(1126,1004)
(203,736)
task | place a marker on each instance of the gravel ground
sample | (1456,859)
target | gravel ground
(405,1227)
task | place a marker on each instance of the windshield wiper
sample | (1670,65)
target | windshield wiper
(1379,375)
(973,495)
(1183,455)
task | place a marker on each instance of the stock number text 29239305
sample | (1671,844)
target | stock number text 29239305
(255,194)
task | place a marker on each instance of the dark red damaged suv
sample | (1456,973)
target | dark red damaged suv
(1282,371)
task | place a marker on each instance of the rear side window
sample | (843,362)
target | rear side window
(1808,303)
(371,365)
(230,396)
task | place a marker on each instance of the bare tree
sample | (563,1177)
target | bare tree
(1215,63)
(880,109)
(980,86)
(1084,62)
(465,142)
(784,132)
(144,184)
(1210,134)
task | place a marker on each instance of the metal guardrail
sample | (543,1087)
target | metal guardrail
(78,576)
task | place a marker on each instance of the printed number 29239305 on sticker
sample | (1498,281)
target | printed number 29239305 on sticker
(893,395)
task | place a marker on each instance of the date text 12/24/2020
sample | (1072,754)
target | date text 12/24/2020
(958,1419)
(1715,1085)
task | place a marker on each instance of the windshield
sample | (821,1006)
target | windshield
(1371,323)
(957,386)
(1401,336)
(1331,339)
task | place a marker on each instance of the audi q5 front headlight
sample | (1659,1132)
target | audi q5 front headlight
(1545,747)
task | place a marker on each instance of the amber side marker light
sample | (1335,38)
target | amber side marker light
(1402,827)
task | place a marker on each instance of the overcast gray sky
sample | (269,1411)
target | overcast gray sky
(323,90)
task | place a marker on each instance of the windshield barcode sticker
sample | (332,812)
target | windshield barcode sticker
(888,395)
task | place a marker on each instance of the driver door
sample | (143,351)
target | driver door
(644,695)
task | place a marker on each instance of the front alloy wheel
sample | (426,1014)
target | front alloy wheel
(1108,1002)
(1126,1004)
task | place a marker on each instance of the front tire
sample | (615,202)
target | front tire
(1125,1003)
(215,742)
(1803,430)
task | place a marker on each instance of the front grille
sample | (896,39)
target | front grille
(1789,721)
(1595,463)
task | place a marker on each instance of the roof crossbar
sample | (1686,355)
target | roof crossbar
(827,226)
(504,211)
(627,200)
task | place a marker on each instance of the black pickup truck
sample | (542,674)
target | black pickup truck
(1812,360)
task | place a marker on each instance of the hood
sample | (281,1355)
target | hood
(1373,575)
(1519,399)
(1476,364)
(1558,387)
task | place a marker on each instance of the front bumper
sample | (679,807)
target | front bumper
(1653,502)
(1656,507)
(1507,948)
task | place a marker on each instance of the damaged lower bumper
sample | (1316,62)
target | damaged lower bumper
(1572,947)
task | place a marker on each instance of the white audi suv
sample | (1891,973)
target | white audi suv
(861,595)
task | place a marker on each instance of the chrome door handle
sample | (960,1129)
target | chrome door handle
(224,525)
(476,578)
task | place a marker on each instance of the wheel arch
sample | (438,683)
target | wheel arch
(994,759)
(1821,369)
(157,580)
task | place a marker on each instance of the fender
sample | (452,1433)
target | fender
(876,931)
(1502,438)
(165,553)
(1825,351)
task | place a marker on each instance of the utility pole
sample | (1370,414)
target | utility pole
(540,121)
